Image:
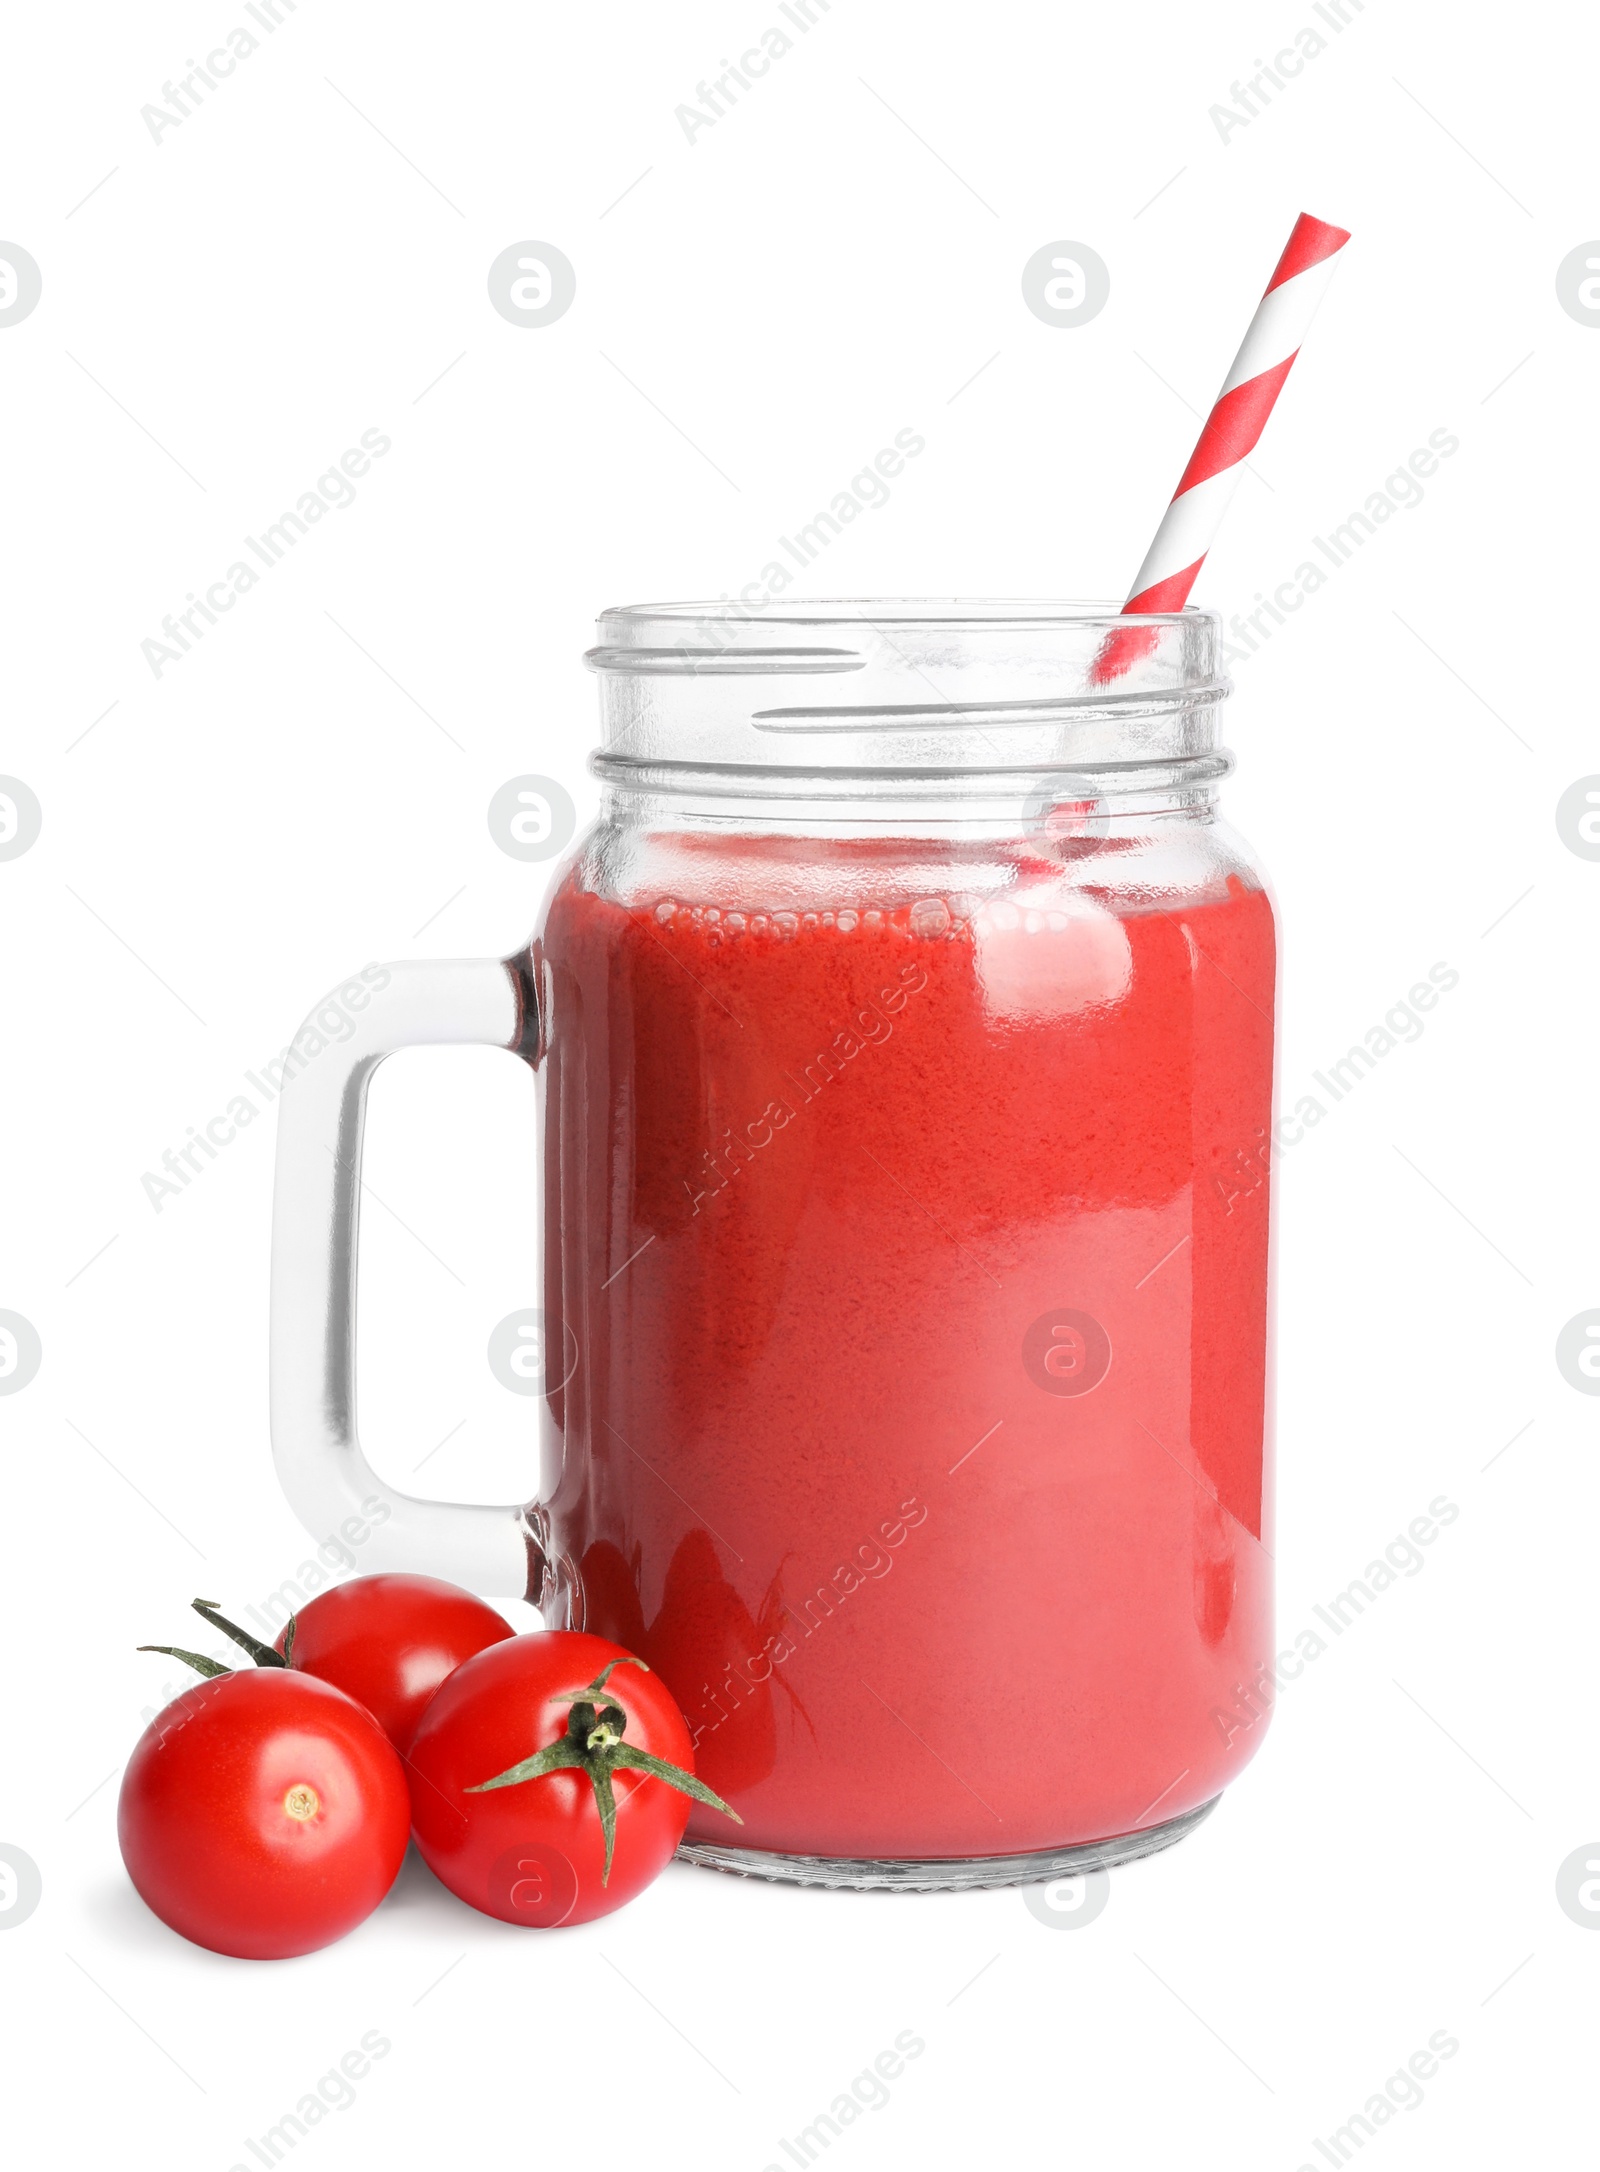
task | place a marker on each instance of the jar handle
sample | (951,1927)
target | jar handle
(315,1218)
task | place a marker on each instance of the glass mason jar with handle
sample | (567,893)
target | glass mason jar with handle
(904,1031)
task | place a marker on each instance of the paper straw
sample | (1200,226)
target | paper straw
(1232,429)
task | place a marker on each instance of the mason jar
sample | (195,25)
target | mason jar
(904,1034)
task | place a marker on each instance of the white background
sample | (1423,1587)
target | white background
(832,261)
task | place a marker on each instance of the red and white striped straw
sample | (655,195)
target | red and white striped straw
(1232,429)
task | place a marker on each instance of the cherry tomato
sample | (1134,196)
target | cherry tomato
(263,1814)
(389,1641)
(534,1850)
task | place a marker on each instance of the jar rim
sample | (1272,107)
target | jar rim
(978,610)
(895,683)
(1016,612)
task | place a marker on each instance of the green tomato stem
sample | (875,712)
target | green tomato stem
(197,1660)
(262,1654)
(593,1745)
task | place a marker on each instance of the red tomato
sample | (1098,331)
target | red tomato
(389,1641)
(533,1851)
(263,1814)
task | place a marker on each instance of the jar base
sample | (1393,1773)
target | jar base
(942,1874)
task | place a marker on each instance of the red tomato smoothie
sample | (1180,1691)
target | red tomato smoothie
(910,1248)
